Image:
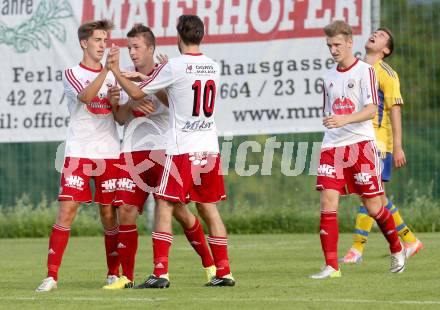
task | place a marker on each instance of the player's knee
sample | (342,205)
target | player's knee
(384,200)
(202,211)
(163,212)
(208,212)
(127,215)
(108,215)
(66,214)
(184,217)
(328,204)
(373,205)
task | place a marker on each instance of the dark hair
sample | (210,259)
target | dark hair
(338,27)
(190,29)
(143,31)
(390,43)
(85,31)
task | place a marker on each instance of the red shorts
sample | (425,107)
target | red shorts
(192,177)
(139,175)
(351,169)
(76,175)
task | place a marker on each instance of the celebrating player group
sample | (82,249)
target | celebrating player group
(170,150)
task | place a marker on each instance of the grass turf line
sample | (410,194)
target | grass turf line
(271,271)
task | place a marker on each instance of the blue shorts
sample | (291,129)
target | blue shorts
(387,167)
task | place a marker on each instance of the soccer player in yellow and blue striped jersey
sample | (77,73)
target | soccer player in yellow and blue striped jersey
(388,129)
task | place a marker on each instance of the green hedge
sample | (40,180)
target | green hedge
(24,219)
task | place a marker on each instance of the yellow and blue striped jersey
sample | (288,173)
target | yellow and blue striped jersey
(389,95)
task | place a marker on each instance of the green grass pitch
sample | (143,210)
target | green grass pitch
(271,273)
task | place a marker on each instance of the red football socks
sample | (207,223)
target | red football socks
(161,246)
(57,244)
(111,251)
(219,248)
(386,223)
(329,234)
(196,237)
(127,248)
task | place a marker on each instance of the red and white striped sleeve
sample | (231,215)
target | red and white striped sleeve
(369,87)
(71,82)
(159,79)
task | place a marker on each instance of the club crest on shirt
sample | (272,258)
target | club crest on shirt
(343,106)
(351,84)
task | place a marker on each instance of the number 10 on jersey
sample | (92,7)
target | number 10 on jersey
(208,97)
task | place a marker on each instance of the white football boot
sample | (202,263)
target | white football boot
(327,272)
(398,261)
(111,279)
(47,285)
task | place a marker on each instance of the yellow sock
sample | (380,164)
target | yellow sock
(364,222)
(403,230)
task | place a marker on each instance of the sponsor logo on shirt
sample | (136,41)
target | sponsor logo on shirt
(99,106)
(200,69)
(137,113)
(191,126)
(343,106)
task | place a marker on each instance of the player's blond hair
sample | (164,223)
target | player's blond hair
(338,27)
(85,31)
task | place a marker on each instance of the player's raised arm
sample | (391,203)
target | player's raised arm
(88,93)
(93,47)
(112,64)
(129,87)
(160,79)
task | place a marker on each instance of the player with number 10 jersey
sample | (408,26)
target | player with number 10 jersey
(193,133)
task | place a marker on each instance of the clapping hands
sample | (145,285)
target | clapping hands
(112,61)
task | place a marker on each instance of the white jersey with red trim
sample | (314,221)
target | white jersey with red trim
(347,91)
(191,82)
(92,130)
(146,133)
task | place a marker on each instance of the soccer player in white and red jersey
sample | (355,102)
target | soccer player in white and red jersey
(349,161)
(92,149)
(192,169)
(142,159)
